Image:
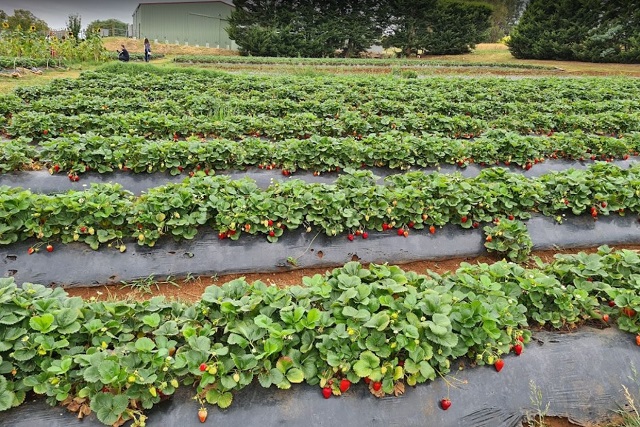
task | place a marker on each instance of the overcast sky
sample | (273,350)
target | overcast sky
(56,12)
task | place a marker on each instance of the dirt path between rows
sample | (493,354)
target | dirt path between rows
(191,288)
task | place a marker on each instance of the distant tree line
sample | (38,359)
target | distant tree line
(115,27)
(320,28)
(22,19)
(583,30)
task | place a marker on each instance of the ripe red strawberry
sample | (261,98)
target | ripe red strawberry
(56,168)
(603,204)
(475,224)
(445,404)
(270,223)
(367,380)
(511,217)
(499,365)
(49,248)
(222,236)
(365,235)
(344,385)
(400,232)
(203,367)
(612,303)
(385,226)
(521,338)
(202,414)
(358,232)
(326,392)
(285,172)
(527,166)
(517,349)
(411,224)
(350,237)
(377,385)
(594,214)
(432,230)
(625,157)
(272,233)
(30,251)
(45,132)
(464,219)
(628,311)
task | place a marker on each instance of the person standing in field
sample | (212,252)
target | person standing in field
(147,49)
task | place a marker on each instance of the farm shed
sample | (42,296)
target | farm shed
(193,23)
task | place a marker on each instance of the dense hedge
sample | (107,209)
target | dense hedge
(583,30)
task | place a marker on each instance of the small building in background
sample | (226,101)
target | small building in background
(191,23)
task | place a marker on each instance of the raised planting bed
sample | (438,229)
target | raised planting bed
(355,202)
(218,59)
(379,326)
(79,153)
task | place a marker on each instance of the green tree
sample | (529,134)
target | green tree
(502,19)
(586,30)
(355,25)
(115,27)
(437,26)
(26,20)
(310,28)
(74,25)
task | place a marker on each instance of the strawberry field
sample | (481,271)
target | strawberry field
(264,172)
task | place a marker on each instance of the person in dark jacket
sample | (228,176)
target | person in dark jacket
(123,55)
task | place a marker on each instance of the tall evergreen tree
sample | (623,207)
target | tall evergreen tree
(437,26)
(587,30)
(323,27)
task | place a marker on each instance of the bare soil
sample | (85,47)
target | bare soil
(137,46)
(191,288)
(564,422)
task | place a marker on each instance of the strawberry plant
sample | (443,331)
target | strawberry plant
(508,238)
(17,155)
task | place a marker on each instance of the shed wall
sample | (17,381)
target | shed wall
(192,23)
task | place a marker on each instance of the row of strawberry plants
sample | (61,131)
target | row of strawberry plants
(378,325)
(216,59)
(210,103)
(41,126)
(76,154)
(353,205)
(352,90)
